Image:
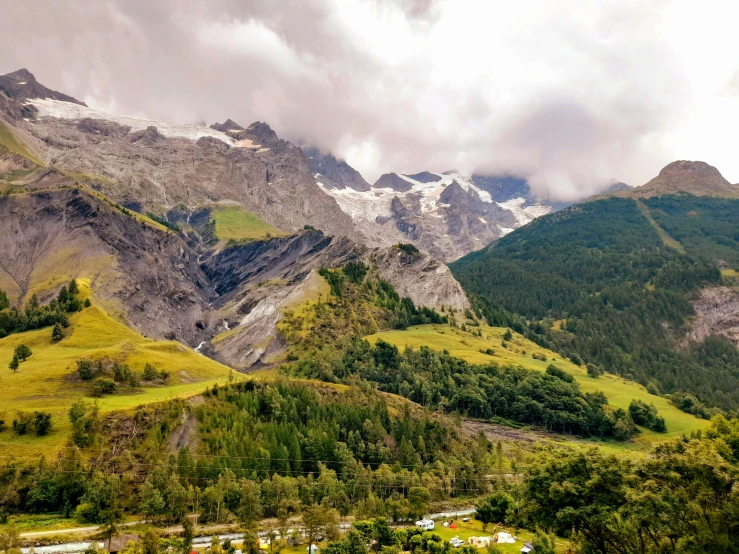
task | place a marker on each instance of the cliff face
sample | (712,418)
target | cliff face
(138,271)
(718,314)
(271,179)
(157,283)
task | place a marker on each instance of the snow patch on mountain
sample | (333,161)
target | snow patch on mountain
(524,214)
(361,205)
(67,110)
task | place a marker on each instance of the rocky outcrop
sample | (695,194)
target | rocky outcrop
(425,177)
(392,181)
(421,278)
(333,173)
(718,314)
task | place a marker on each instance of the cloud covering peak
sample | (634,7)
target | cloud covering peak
(567,95)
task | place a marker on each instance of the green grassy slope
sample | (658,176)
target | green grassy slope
(47,380)
(11,144)
(620,392)
(233,223)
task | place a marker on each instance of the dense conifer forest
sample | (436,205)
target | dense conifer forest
(598,284)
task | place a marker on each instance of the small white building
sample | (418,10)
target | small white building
(527,547)
(425,524)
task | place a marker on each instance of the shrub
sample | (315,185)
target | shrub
(150,372)
(23,352)
(22,423)
(408,248)
(594,370)
(42,423)
(86,369)
(103,385)
(56,333)
(560,374)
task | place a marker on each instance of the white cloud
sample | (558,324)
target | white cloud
(567,94)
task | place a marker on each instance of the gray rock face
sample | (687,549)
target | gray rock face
(503,188)
(392,181)
(149,275)
(257,281)
(166,289)
(718,314)
(333,173)
(425,177)
(270,177)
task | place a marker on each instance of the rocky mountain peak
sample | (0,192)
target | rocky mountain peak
(226,126)
(684,169)
(424,177)
(22,84)
(455,194)
(693,177)
(392,181)
(261,133)
(333,173)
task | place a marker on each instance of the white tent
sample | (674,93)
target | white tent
(504,538)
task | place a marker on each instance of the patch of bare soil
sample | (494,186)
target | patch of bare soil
(185,435)
(494,432)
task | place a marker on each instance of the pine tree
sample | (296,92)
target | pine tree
(56,333)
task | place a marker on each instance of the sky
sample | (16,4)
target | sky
(567,94)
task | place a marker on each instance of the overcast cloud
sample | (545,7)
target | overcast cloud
(566,94)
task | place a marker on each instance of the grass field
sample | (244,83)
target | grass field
(12,144)
(47,380)
(619,392)
(233,223)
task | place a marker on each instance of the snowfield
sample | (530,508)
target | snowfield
(68,110)
(376,203)
(523,214)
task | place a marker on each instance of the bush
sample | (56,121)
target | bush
(594,370)
(86,369)
(150,372)
(103,385)
(23,423)
(56,333)
(408,248)
(121,372)
(42,423)
(23,352)
(560,374)
(646,415)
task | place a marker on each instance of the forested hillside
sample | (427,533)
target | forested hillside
(604,285)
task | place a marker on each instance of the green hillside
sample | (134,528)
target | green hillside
(233,223)
(610,281)
(520,351)
(47,381)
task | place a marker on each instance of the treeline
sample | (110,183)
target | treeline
(283,446)
(442,382)
(36,316)
(620,296)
